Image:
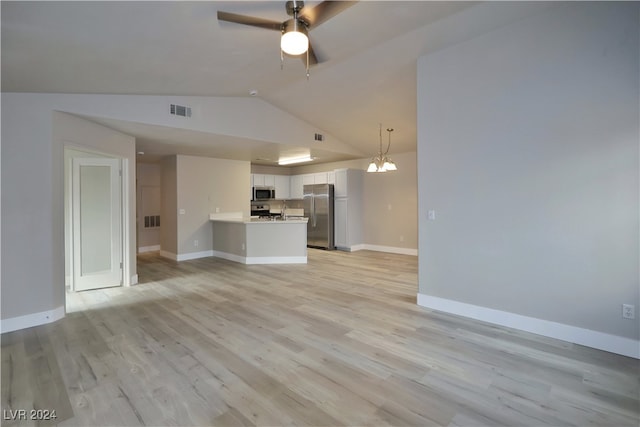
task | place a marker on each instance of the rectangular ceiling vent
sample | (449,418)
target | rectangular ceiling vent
(318,137)
(180,110)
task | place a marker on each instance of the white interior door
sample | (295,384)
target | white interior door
(97,223)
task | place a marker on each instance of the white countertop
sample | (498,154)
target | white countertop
(245,220)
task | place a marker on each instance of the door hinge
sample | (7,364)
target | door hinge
(120,265)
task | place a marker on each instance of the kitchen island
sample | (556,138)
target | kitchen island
(259,241)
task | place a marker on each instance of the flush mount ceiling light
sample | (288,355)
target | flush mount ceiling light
(293,160)
(382,163)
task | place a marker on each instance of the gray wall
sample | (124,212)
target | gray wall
(199,186)
(29,212)
(528,153)
(33,140)
(169,205)
(147,186)
(391,205)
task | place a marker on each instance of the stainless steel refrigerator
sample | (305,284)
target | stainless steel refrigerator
(318,207)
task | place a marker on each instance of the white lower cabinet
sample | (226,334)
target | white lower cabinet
(347,224)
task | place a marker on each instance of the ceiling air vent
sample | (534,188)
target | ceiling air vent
(318,137)
(180,110)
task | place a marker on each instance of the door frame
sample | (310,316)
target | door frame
(125,228)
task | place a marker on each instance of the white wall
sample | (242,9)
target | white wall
(528,153)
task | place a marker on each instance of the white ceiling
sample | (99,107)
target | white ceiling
(368,75)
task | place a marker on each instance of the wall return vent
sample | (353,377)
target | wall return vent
(318,137)
(180,110)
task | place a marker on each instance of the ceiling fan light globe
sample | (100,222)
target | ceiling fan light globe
(294,43)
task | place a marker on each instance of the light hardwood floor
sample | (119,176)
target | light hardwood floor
(339,341)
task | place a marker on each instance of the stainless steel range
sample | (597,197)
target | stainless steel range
(260,210)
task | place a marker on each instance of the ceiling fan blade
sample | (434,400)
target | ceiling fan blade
(313,59)
(249,20)
(324,11)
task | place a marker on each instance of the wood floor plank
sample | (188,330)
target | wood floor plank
(338,341)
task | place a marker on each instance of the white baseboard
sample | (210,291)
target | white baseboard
(31,320)
(379,248)
(260,260)
(230,257)
(194,255)
(276,260)
(600,340)
(144,249)
(169,255)
(187,256)
(352,248)
(390,249)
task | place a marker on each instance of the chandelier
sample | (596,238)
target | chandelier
(381,162)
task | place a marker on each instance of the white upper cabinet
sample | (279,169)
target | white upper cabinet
(340,185)
(282,186)
(348,182)
(297,182)
(281,183)
(320,178)
(269,180)
(257,180)
(296,187)
(263,180)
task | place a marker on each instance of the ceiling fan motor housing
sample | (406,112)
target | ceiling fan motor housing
(294,7)
(294,24)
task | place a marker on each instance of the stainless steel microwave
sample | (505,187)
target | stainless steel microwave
(264,193)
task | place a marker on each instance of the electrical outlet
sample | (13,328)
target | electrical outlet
(195,243)
(431,215)
(628,311)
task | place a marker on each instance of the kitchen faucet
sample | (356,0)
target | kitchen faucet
(283,211)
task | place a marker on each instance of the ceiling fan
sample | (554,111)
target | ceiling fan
(295,38)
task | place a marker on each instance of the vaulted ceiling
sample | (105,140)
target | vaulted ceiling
(367,75)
